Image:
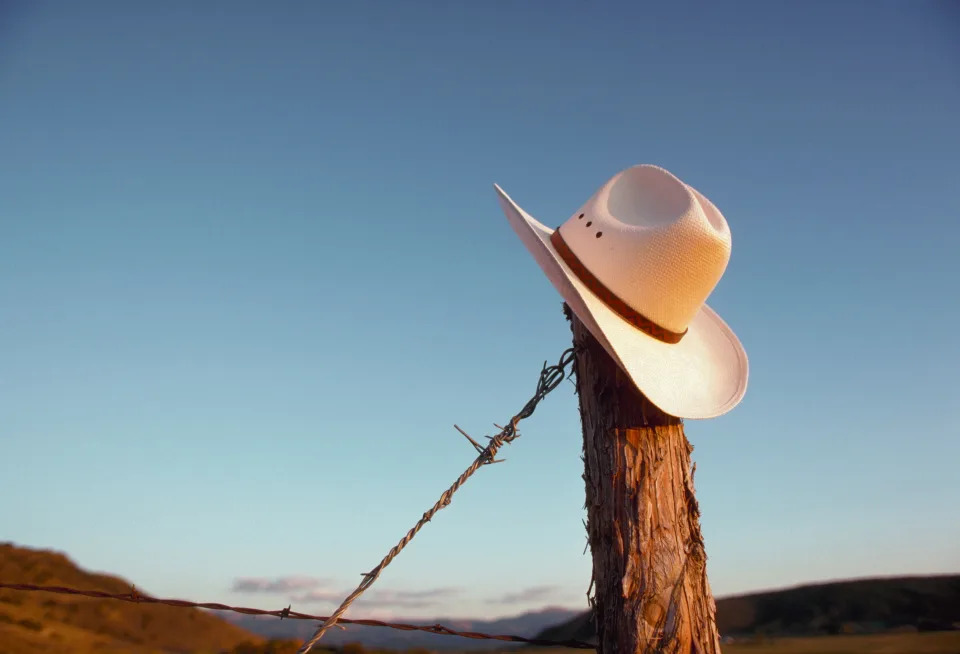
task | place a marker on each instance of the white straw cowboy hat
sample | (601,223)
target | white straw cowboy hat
(636,264)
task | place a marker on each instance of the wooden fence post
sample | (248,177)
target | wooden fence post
(650,590)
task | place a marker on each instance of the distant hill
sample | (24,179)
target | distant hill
(857,606)
(527,625)
(35,622)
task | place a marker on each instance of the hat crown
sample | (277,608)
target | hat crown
(655,242)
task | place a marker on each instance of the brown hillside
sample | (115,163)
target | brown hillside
(858,606)
(46,622)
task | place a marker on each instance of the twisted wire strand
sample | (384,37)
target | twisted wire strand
(136,597)
(550,378)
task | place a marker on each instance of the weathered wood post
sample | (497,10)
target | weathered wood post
(650,590)
(635,265)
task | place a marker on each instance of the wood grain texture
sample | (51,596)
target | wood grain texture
(650,589)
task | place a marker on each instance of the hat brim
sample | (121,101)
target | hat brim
(702,376)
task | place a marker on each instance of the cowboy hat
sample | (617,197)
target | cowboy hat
(636,264)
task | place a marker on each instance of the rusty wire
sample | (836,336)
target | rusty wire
(550,378)
(137,597)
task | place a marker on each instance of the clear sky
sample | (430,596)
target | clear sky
(253,268)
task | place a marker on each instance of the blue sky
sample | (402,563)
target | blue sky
(252,269)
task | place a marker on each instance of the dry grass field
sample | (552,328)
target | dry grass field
(944,642)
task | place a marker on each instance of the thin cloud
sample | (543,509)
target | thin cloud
(407,599)
(277,585)
(320,597)
(531,594)
(411,598)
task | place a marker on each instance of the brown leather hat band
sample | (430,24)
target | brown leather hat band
(610,298)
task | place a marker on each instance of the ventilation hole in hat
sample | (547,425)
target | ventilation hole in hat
(589,222)
(580,217)
(599,234)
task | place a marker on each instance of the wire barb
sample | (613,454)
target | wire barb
(475,444)
(550,378)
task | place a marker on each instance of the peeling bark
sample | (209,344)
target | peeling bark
(650,589)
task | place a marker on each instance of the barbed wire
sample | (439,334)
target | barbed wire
(139,598)
(550,378)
